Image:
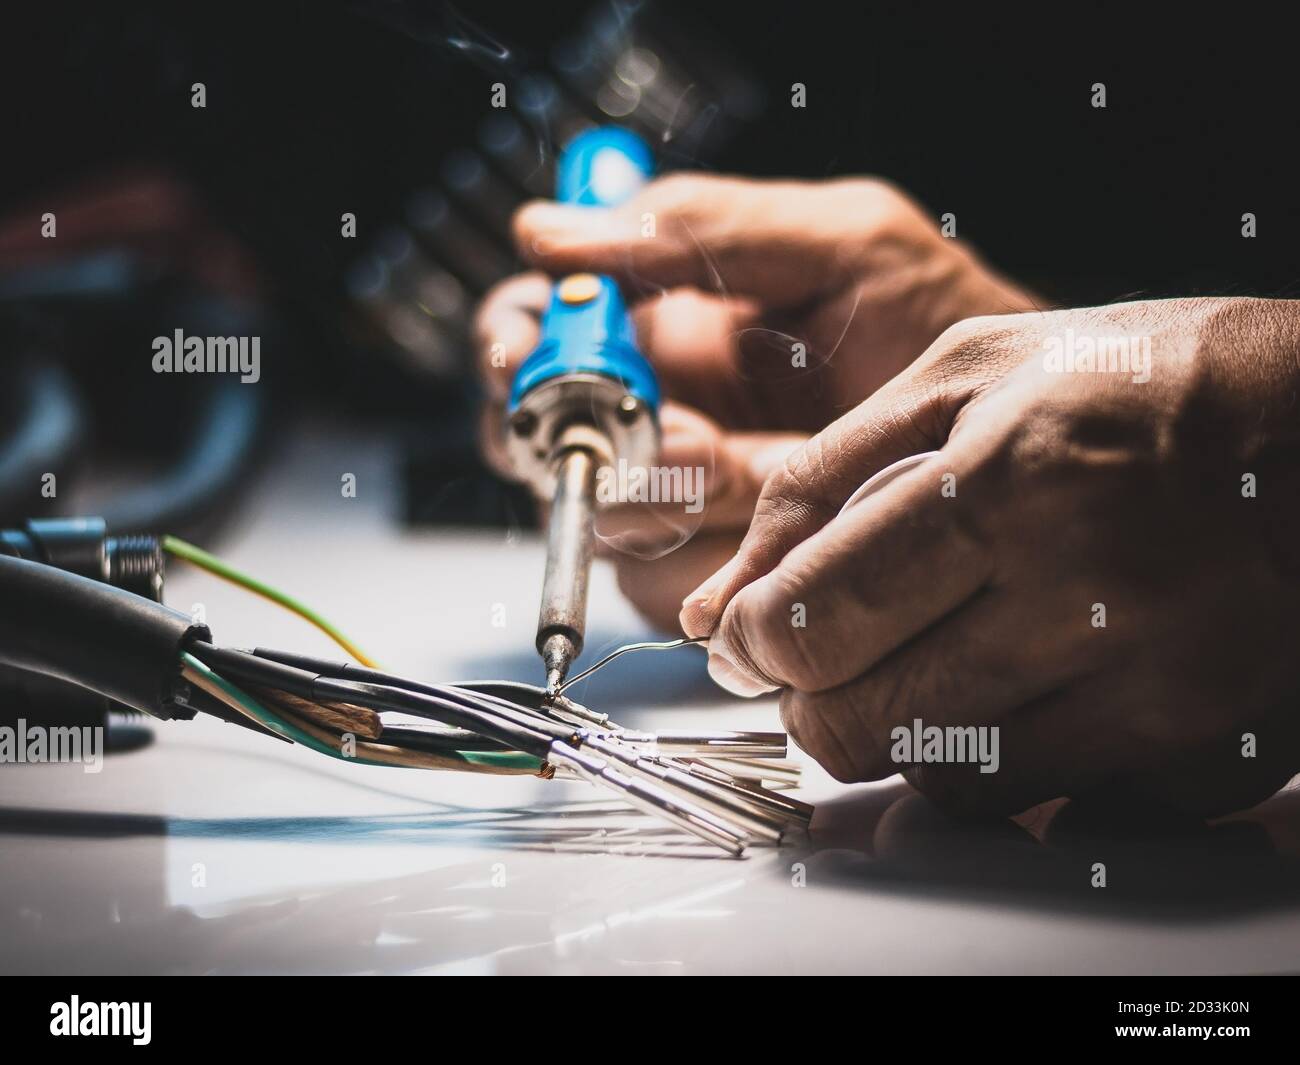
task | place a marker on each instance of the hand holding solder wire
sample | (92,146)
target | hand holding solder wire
(1084,566)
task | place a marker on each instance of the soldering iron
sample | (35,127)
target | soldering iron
(585,398)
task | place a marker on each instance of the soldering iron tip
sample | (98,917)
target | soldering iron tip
(558,653)
(554,678)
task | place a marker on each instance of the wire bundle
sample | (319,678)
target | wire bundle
(715,785)
(722,787)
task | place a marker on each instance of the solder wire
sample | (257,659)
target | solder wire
(666,645)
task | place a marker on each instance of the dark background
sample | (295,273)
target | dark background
(318,108)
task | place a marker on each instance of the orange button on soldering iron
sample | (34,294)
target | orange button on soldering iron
(579,288)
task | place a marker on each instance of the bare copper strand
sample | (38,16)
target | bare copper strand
(344,717)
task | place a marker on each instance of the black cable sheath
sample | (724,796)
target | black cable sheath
(91,634)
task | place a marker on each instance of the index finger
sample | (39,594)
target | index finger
(782,242)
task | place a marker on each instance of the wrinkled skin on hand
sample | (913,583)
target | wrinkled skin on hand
(735,274)
(1168,509)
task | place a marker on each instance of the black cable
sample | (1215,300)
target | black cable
(521,714)
(532,696)
(449,740)
(516,727)
(514,696)
(493,723)
(91,634)
(321,666)
(243,668)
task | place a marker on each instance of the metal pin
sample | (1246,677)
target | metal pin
(773,800)
(728,807)
(760,739)
(653,800)
(774,769)
(756,745)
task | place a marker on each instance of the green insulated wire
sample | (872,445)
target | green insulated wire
(266,717)
(504,759)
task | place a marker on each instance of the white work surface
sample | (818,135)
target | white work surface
(214,850)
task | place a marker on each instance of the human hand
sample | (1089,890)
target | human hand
(1103,565)
(767,307)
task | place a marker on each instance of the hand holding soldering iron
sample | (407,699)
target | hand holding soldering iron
(747,292)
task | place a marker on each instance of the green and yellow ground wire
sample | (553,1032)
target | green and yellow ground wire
(196,556)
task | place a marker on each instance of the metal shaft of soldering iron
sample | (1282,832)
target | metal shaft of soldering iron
(569,541)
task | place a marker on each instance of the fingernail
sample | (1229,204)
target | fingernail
(695,619)
(726,674)
(698,617)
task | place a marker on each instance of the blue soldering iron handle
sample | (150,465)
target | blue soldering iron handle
(586,328)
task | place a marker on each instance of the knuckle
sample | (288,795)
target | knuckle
(966,338)
(782,506)
(902,688)
(790,489)
(871,196)
(484,314)
(977,351)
